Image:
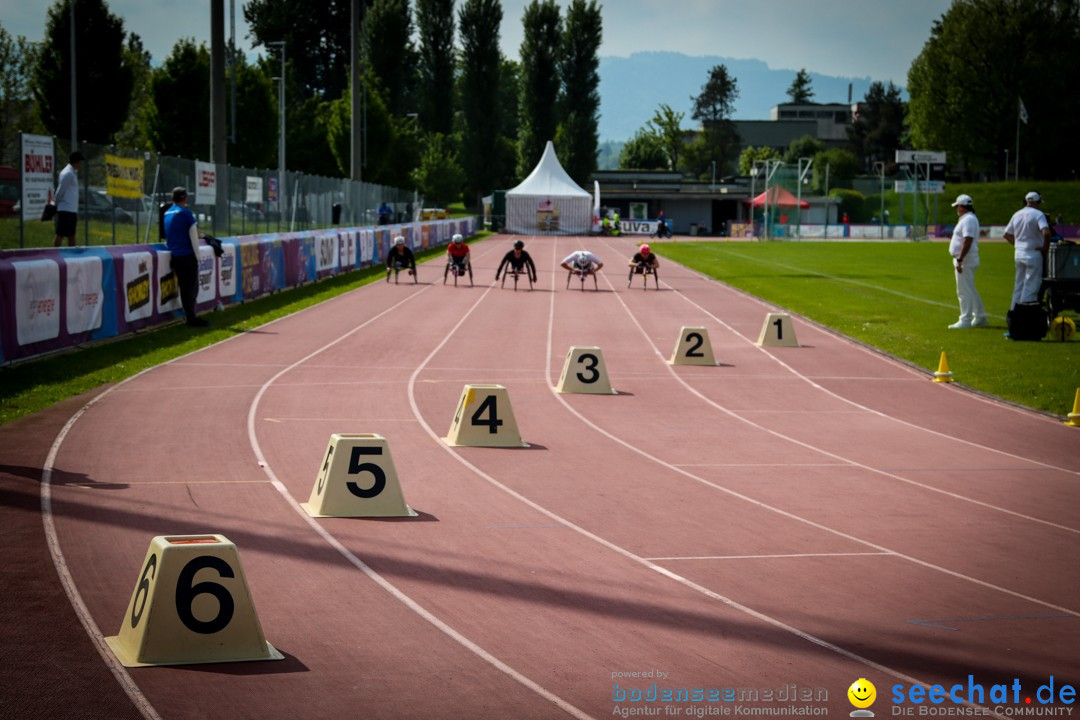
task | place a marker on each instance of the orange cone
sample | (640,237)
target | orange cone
(1074,416)
(943,375)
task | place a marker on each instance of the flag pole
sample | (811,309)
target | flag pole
(1019,115)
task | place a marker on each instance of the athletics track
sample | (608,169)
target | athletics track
(794,516)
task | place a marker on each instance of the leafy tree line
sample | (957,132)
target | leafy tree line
(445,113)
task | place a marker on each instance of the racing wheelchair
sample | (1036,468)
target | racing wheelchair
(582,274)
(645,271)
(397,268)
(516,273)
(457,269)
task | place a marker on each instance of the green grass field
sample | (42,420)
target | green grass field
(900,297)
(895,296)
(994,202)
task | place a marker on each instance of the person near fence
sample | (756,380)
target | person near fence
(964,249)
(67,201)
(1029,233)
(182,239)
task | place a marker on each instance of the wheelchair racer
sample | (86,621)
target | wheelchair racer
(457,254)
(582,262)
(644,259)
(518,260)
(400,257)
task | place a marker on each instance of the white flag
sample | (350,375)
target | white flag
(1023,111)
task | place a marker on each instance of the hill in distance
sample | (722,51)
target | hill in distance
(632,88)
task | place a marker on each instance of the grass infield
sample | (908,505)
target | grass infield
(895,296)
(900,297)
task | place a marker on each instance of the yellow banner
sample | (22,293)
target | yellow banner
(124,176)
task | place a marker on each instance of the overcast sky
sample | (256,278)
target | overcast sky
(852,38)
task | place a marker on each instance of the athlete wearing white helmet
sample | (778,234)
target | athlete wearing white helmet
(582,262)
(401,257)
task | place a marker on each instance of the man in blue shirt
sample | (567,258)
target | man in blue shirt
(182,239)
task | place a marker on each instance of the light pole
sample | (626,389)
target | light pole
(880,167)
(281,132)
(802,178)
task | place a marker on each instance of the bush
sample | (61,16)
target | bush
(853,203)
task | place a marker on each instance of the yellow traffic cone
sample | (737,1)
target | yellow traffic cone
(1074,416)
(943,375)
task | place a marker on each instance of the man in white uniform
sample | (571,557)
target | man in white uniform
(1028,232)
(964,249)
(67,201)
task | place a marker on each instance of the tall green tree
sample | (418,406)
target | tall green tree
(391,53)
(982,58)
(17,110)
(751,154)
(878,130)
(538,111)
(256,117)
(179,123)
(800,90)
(804,147)
(579,66)
(103,77)
(644,151)
(316,35)
(438,176)
(435,21)
(135,133)
(719,140)
(667,125)
(382,139)
(479,21)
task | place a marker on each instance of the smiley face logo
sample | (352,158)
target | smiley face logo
(862,693)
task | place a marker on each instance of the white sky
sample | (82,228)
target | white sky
(853,38)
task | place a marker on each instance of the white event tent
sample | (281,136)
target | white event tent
(549,202)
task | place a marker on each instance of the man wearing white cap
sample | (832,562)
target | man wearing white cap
(1029,232)
(964,249)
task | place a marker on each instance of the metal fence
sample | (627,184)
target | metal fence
(247,201)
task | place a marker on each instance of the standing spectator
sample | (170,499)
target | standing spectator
(1029,233)
(182,238)
(964,249)
(67,201)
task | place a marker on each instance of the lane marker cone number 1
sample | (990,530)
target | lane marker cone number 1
(484,418)
(190,605)
(357,479)
(777,331)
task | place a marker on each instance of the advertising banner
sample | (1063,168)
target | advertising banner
(326,253)
(347,248)
(227,273)
(367,246)
(168,298)
(207,276)
(36,166)
(85,296)
(205,183)
(136,286)
(124,176)
(37,300)
(254,189)
(255,277)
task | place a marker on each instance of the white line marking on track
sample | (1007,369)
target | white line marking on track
(765,557)
(853,463)
(359,564)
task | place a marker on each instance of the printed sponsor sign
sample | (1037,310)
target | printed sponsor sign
(168,287)
(347,245)
(205,183)
(254,189)
(124,176)
(637,227)
(227,271)
(37,300)
(36,166)
(137,305)
(367,246)
(206,275)
(326,252)
(85,298)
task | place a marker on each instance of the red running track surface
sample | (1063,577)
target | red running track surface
(794,516)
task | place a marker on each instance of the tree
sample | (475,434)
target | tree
(135,132)
(316,35)
(800,90)
(667,125)
(644,151)
(17,112)
(103,79)
(179,123)
(435,20)
(577,138)
(804,147)
(842,166)
(719,140)
(381,136)
(479,21)
(878,129)
(751,154)
(391,53)
(438,176)
(538,111)
(982,58)
(256,117)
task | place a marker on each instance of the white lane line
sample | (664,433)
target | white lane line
(359,564)
(619,550)
(853,463)
(766,557)
(52,540)
(772,508)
